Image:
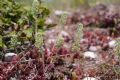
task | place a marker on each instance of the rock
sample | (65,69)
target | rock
(99,48)
(112,44)
(89,78)
(84,40)
(89,54)
(75,65)
(49,41)
(49,21)
(60,12)
(13,78)
(64,34)
(93,48)
(9,56)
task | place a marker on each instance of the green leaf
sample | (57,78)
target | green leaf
(1,44)
(28,32)
(41,23)
(39,39)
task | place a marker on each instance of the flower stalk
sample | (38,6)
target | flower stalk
(78,37)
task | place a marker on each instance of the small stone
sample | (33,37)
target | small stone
(49,41)
(9,56)
(13,78)
(89,78)
(49,21)
(60,12)
(93,48)
(75,65)
(99,48)
(89,54)
(112,43)
(84,40)
(64,34)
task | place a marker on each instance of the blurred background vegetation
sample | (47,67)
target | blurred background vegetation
(69,4)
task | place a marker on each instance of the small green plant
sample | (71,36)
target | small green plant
(60,41)
(1,41)
(11,20)
(38,16)
(14,18)
(75,47)
(10,14)
(79,35)
(14,41)
(63,19)
(117,49)
(39,40)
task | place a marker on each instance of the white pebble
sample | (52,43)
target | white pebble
(89,78)
(93,48)
(49,41)
(10,54)
(89,54)
(84,40)
(75,65)
(49,21)
(48,52)
(63,33)
(60,12)
(112,43)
